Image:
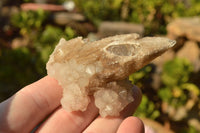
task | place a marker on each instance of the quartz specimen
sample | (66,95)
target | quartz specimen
(101,68)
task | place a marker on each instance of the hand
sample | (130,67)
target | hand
(40,103)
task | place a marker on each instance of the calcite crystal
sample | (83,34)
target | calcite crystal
(101,68)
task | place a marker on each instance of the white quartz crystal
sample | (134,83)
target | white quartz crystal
(100,69)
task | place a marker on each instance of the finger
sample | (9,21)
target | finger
(62,121)
(23,111)
(131,108)
(111,124)
(131,125)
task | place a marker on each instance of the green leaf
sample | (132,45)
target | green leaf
(191,88)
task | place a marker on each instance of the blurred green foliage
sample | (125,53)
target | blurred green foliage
(154,14)
(191,129)
(28,64)
(98,10)
(29,20)
(176,72)
(137,77)
(147,109)
(177,89)
(42,38)
(17,69)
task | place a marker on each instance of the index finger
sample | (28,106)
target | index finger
(29,106)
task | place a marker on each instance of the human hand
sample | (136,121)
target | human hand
(40,103)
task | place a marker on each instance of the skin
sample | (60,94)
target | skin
(38,105)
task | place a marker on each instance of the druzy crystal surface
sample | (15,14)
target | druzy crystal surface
(101,68)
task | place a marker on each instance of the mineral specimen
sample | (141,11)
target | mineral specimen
(101,68)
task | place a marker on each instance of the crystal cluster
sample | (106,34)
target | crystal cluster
(101,68)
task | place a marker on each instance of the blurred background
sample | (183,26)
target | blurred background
(30,29)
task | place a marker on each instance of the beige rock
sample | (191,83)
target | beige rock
(63,18)
(19,42)
(112,28)
(100,68)
(185,27)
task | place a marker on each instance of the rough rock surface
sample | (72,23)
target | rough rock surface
(100,68)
